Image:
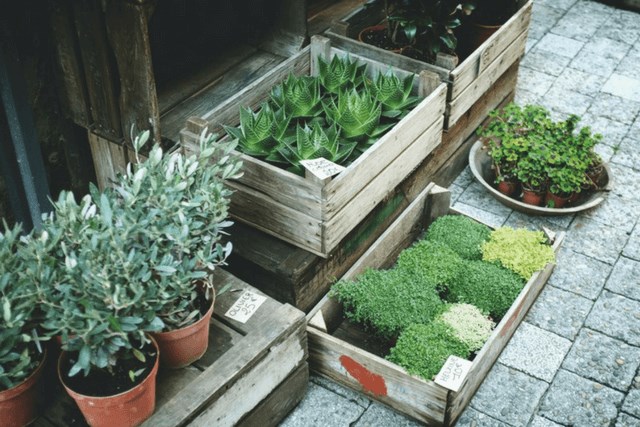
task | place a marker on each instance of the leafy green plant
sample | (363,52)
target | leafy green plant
(314,142)
(357,114)
(433,262)
(487,286)
(462,234)
(394,94)
(520,250)
(298,96)
(469,324)
(340,74)
(19,349)
(388,300)
(260,134)
(423,349)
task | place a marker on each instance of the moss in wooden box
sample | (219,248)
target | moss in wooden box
(462,235)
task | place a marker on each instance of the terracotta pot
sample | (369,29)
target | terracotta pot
(126,409)
(508,188)
(19,404)
(182,347)
(558,201)
(531,197)
(479,33)
(375,29)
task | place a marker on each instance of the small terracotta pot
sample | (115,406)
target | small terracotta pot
(558,201)
(182,347)
(532,197)
(19,404)
(507,188)
(127,409)
(374,29)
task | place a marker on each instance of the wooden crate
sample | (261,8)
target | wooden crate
(312,214)
(344,352)
(293,275)
(469,80)
(253,373)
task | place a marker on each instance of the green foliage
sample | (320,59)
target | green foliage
(260,133)
(489,287)
(460,233)
(520,250)
(394,94)
(340,74)
(298,96)
(423,349)
(357,114)
(434,262)
(388,300)
(18,351)
(469,324)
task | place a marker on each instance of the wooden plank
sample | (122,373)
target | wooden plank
(491,50)
(411,395)
(379,187)
(128,32)
(500,337)
(98,68)
(109,159)
(351,181)
(281,400)
(320,21)
(74,91)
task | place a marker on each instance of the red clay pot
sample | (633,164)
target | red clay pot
(19,404)
(558,201)
(127,409)
(182,347)
(508,188)
(532,197)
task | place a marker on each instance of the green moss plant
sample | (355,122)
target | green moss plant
(520,250)
(433,262)
(469,324)
(488,286)
(423,349)
(462,234)
(388,300)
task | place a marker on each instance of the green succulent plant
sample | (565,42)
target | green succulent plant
(298,96)
(314,142)
(394,94)
(340,74)
(260,134)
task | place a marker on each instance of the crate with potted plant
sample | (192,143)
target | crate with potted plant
(126,281)
(363,125)
(460,290)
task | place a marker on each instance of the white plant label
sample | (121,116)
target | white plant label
(453,373)
(322,168)
(245,306)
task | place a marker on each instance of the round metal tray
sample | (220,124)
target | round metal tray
(480,165)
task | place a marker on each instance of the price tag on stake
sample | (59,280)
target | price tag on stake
(245,306)
(453,373)
(322,168)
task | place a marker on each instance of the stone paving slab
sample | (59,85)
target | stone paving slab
(560,45)
(473,418)
(553,223)
(627,182)
(627,153)
(582,21)
(617,212)
(614,108)
(577,81)
(544,61)
(625,420)
(616,316)
(613,132)
(543,422)
(623,26)
(603,359)
(632,403)
(629,64)
(579,273)
(338,389)
(380,415)
(475,195)
(560,312)
(596,240)
(625,277)
(632,249)
(623,86)
(576,401)
(489,218)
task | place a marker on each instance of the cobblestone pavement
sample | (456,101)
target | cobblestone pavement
(575,359)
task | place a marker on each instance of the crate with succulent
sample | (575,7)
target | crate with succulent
(454,296)
(324,138)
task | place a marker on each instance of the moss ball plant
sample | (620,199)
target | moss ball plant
(423,349)
(470,325)
(488,286)
(433,262)
(388,300)
(462,234)
(520,250)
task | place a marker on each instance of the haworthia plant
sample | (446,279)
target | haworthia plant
(394,93)
(340,74)
(259,134)
(298,96)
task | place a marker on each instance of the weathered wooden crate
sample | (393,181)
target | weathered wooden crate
(312,214)
(344,352)
(252,374)
(469,80)
(301,278)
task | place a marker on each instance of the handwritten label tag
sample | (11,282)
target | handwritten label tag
(322,168)
(245,306)
(453,373)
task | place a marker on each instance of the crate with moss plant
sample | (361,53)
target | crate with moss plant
(352,127)
(390,344)
(539,165)
(22,357)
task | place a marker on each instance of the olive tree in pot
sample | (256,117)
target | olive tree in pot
(21,356)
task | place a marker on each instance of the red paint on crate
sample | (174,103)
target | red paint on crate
(369,381)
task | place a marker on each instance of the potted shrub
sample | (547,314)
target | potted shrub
(487,18)
(178,207)
(21,356)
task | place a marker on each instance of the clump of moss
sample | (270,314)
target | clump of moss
(388,300)
(469,324)
(520,250)
(489,287)
(423,349)
(434,262)
(462,234)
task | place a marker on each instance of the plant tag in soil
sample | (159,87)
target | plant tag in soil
(322,168)
(453,373)
(245,306)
